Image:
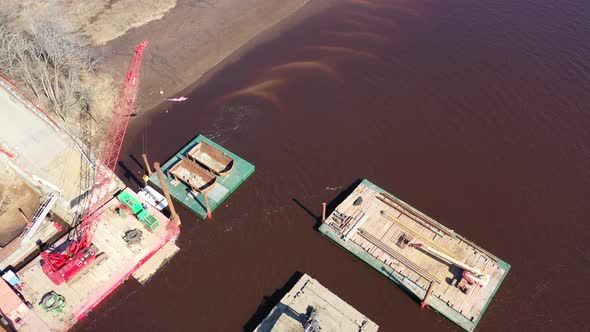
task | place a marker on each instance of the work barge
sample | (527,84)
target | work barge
(109,242)
(203,174)
(309,306)
(440,268)
(133,240)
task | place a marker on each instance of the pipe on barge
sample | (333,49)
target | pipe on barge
(387,242)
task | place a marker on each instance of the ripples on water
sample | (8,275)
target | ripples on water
(314,58)
(475,112)
(229,118)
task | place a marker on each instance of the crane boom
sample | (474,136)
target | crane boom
(62,266)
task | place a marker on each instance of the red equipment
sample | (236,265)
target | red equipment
(63,266)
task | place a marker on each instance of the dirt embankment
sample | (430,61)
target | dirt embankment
(188,38)
(100,21)
(14,195)
(32,25)
(191,39)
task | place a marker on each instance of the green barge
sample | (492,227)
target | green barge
(202,174)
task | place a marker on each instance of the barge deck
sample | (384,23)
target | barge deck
(390,235)
(329,311)
(119,260)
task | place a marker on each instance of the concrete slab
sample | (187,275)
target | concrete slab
(332,313)
(36,145)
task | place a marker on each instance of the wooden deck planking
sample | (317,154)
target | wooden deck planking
(388,232)
(156,262)
(470,302)
(380,228)
(120,258)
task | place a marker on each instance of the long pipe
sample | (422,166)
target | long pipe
(174,215)
(147,164)
(448,258)
(422,220)
(405,226)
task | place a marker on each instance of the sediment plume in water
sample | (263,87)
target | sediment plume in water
(353,22)
(326,59)
(265,90)
(373,21)
(373,5)
(369,4)
(266,87)
(361,34)
(305,65)
(341,50)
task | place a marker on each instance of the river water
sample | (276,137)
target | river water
(475,112)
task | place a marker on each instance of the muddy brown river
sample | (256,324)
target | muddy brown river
(475,112)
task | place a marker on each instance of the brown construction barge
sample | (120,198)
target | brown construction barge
(134,240)
(442,269)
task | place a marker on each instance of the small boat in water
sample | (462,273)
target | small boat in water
(211,158)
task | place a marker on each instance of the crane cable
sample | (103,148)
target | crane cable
(144,136)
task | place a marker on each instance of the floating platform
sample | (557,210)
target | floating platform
(119,260)
(203,167)
(330,312)
(390,235)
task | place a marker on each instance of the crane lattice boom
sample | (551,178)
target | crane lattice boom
(62,266)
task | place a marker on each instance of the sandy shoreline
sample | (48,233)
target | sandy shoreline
(193,42)
(189,41)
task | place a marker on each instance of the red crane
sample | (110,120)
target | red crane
(63,265)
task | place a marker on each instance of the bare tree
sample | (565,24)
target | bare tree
(49,58)
(10,39)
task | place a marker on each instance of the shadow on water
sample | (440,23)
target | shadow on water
(331,206)
(139,164)
(128,174)
(401,285)
(269,302)
(318,218)
(281,309)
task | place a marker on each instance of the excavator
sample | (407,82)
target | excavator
(472,275)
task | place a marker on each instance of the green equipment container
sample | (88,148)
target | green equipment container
(131,202)
(147,219)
